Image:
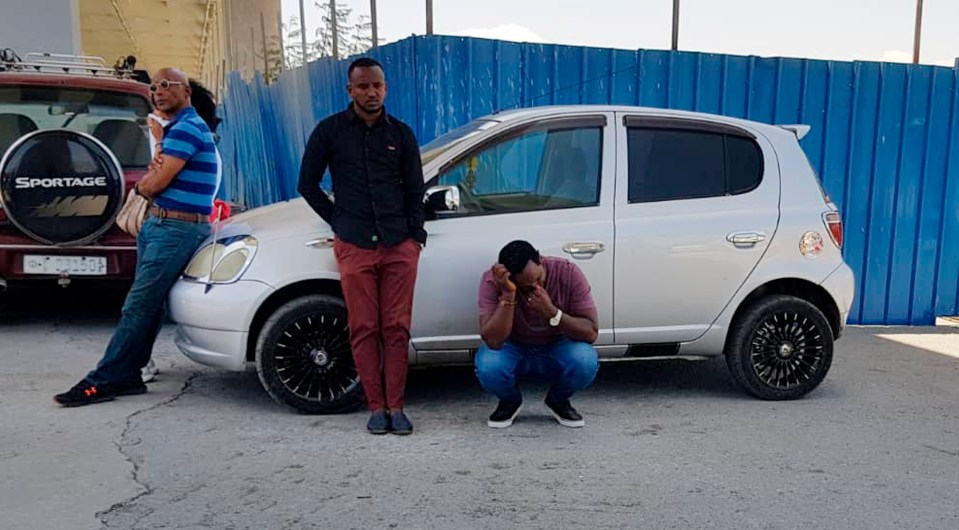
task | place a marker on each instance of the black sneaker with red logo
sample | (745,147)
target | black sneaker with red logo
(86,393)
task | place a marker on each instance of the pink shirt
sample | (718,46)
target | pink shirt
(566,286)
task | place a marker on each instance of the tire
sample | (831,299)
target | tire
(308,338)
(780,348)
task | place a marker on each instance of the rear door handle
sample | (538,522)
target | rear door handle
(584,250)
(746,239)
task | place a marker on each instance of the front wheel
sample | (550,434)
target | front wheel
(780,348)
(304,359)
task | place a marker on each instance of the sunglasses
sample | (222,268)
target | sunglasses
(165,84)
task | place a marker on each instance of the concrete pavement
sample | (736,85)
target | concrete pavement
(668,444)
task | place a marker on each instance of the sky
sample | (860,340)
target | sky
(866,30)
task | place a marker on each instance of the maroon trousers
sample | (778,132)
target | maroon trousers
(378,289)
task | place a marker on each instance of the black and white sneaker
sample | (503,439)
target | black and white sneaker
(504,414)
(149,372)
(565,414)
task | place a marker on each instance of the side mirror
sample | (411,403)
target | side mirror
(441,199)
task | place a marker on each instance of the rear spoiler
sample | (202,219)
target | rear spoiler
(799,130)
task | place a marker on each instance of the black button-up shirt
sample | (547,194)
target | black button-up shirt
(377,179)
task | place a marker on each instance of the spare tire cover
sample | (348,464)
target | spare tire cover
(61,187)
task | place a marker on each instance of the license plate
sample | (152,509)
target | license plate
(72,265)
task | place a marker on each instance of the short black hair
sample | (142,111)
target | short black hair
(516,254)
(363,62)
(204,102)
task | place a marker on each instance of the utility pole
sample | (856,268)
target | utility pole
(303,32)
(336,40)
(376,40)
(429,17)
(266,51)
(676,24)
(918,39)
(279,33)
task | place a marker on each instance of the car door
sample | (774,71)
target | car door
(550,182)
(697,204)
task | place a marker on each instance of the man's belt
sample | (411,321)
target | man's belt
(190,217)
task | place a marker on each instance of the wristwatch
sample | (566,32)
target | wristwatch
(556,318)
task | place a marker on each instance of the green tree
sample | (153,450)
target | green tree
(354,37)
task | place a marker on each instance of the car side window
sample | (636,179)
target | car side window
(538,169)
(671,164)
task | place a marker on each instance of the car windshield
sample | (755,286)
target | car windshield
(453,138)
(115,118)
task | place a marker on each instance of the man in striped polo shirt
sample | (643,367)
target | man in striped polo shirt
(181,184)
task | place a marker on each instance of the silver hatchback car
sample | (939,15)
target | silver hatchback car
(701,235)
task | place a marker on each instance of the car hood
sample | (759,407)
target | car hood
(277,221)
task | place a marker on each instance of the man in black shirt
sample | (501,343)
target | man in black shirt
(377,216)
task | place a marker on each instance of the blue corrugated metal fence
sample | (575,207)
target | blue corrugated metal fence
(884,136)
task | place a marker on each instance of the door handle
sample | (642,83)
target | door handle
(746,239)
(320,243)
(584,250)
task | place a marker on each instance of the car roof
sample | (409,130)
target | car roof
(114,84)
(546,111)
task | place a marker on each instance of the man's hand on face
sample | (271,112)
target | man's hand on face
(540,301)
(501,276)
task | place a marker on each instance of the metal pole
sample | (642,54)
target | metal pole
(429,17)
(303,32)
(279,30)
(675,25)
(918,39)
(336,40)
(252,51)
(230,51)
(266,51)
(376,39)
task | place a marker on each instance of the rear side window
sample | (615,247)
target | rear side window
(671,164)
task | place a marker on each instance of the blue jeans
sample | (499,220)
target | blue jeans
(164,247)
(569,366)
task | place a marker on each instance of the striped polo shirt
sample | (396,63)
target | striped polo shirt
(188,138)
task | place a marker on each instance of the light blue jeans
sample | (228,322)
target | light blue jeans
(569,366)
(164,247)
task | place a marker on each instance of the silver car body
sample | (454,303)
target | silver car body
(665,273)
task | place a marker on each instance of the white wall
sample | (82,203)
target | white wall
(40,26)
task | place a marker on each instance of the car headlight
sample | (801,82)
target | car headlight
(222,262)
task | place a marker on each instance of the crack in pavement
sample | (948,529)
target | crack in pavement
(147,490)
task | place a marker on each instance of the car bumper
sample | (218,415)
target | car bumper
(222,349)
(841,284)
(213,326)
(121,262)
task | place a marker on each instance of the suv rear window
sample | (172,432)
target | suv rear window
(115,118)
(673,164)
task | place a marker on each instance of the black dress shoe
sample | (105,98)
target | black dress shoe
(401,424)
(379,423)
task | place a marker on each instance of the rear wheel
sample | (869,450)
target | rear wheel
(304,359)
(780,348)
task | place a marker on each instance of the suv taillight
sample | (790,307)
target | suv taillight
(834,224)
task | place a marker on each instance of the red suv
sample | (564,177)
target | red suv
(73,140)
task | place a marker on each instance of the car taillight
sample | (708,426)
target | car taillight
(834,224)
